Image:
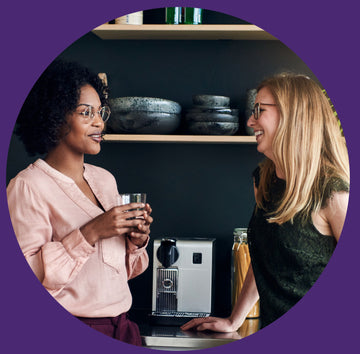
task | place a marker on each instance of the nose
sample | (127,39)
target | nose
(97,121)
(251,121)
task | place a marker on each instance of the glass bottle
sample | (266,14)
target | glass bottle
(173,15)
(240,265)
(135,18)
(192,16)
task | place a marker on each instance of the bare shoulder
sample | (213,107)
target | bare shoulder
(338,202)
(335,211)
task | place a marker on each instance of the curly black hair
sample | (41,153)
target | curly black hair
(54,95)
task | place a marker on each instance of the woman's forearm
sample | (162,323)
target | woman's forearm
(247,299)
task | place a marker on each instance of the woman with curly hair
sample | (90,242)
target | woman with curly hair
(301,193)
(81,246)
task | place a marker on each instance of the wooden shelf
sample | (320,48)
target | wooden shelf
(182,32)
(180,138)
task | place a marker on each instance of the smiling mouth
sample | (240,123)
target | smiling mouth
(96,137)
(259,133)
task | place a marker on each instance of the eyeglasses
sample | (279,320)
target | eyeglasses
(89,112)
(257,109)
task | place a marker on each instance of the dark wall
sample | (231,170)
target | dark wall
(195,190)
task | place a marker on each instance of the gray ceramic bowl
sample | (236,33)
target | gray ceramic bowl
(149,104)
(250,102)
(202,109)
(212,128)
(211,117)
(141,122)
(211,100)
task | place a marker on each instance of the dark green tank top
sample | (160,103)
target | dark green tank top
(287,259)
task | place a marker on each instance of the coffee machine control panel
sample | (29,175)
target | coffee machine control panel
(197,258)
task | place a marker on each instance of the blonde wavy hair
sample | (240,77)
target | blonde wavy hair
(308,147)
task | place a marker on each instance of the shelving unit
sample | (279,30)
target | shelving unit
(180,138)
(181,32)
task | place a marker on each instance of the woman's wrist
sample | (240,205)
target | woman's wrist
(138,241)
(90,236)
(236,321)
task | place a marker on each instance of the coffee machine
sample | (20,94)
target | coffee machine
(183,272)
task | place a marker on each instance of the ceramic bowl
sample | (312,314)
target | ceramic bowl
(250,102)
(212,128)
(143,122)
(211,117)
(148,104)
(202,109)
(211,101)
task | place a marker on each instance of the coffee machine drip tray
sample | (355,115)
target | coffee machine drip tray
(174,318)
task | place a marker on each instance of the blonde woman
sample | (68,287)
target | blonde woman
(301,192)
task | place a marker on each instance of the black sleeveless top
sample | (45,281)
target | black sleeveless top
(287,259)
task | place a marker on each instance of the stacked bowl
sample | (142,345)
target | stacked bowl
(211,115)
(143,115)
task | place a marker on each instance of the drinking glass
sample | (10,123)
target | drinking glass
(127,198)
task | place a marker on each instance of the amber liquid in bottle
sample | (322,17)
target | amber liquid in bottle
(241,262)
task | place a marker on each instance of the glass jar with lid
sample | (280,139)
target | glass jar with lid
(240,265)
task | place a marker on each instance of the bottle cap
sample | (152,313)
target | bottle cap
(240,234)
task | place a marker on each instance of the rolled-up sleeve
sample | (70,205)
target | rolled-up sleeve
(55,263)
(137,259)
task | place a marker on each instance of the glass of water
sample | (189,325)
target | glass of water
(127,198)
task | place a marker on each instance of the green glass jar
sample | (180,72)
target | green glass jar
(173,15)
(192,16)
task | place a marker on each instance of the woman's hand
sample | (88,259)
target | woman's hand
(140,234)
(244,303)
(214,324)
(120,220)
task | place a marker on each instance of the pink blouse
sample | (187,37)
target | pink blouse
(47,209)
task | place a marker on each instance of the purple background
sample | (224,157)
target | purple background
(323,35)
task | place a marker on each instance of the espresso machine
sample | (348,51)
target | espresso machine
(183,272)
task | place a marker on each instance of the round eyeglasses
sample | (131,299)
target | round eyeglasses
(257,109)
(89,112)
